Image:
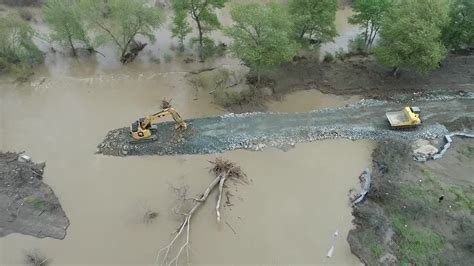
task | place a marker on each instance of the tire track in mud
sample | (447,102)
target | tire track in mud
(255,131)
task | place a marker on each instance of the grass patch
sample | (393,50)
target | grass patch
(416,246)
(37,203)
(377,250)
(462,199)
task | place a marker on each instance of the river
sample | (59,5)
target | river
(287,214)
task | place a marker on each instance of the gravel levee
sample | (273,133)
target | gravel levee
(255,131)
(27,205)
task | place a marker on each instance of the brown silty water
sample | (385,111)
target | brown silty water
(288,214)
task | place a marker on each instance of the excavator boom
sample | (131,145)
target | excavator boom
(141,130)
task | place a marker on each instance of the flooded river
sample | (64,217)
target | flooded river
(288,214)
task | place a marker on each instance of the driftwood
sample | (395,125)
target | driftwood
(223,171)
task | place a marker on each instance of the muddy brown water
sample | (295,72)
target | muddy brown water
(288,214)
(296,201)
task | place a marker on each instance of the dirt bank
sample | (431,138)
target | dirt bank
(27,205)
(417,213)
(363,76)
(365,120)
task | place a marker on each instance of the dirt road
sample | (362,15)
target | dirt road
(364,120)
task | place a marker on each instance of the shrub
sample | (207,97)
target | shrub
(17,51)
(328,57)
(357,45)
(167,57)
(340,54)
(226,98)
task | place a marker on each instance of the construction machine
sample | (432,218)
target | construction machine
(143,131)
(406,118)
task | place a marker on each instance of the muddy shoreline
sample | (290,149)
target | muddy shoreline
(27,205)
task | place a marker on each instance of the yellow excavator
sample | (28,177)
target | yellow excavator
(406,118)
(143,130)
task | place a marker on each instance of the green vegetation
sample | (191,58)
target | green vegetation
(377,250)
(121,21)
(67,25)
(328,58)
(418,246)
(202,12)
(314,19)
(37,203)
(369,15)
(460,31)
(261,35)
(357,45)
(18,53)
(180,28)
(411,35)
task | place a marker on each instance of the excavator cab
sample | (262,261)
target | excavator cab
(143,130)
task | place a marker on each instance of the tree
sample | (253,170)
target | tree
(202,12)
(64,19)
(314,19)
(369,15)
(411,35)
(121,21)
(460,31)
(180,27)
(261,35)
(17,50)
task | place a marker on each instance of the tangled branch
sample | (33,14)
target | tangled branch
(223,171)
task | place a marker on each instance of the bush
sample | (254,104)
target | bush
(357,45)
(18,53)
(167,57)
(226,98)
(340,54)
(328,57)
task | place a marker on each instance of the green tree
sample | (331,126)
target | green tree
(202,12)
(314,19)
(261,35)
(121,21)
(64,19)
(460,31)
(411,35)
(17,50)
(369,15)
(180,28)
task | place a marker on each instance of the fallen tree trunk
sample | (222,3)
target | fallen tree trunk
(224,170)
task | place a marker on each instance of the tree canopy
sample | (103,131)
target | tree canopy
(17,50)
(411,35)
(67,25)
(314,19)
(369,15)
(121,21)
(460,31)
(202,12)
(262,35)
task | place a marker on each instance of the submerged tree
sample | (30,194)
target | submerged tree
(314,19)
(369,15)
(121,21)
(67,25)
(180,28)
(460,31)
(262,35)
(18,53)
(411,35)
(202,12)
